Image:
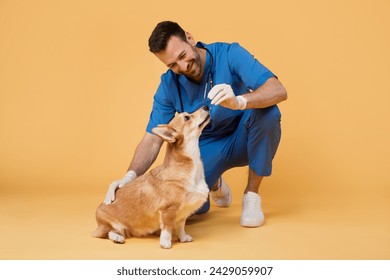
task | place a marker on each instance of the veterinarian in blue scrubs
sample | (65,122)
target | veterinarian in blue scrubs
(245,121)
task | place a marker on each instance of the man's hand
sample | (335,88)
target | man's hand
(110,196)
(223,95)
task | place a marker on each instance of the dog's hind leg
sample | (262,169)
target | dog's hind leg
(117,233)
(116,238)
(101,231)
(183,236)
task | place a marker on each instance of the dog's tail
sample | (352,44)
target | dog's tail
(101,231)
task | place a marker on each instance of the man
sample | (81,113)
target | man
(245,121)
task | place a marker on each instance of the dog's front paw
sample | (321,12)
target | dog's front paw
(165,239)
(185,238)
(165,244)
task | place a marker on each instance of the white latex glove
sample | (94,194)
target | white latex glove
(110,196)
(223,95)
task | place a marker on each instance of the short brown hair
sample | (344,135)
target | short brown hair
(161,34)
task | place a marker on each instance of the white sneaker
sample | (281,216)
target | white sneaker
(252,214)
(222,196)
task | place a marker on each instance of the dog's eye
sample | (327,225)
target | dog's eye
(187,118)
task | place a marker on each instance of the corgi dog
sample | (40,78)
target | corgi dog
(162,199)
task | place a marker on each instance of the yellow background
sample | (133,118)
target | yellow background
(76,88)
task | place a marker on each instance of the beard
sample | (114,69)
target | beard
(195,70)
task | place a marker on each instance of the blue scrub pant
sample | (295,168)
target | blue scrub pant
(253,143)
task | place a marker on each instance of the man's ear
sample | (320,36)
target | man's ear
(166,133)
(190,39)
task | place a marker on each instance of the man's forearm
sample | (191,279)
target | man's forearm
(270,93)
(145,154)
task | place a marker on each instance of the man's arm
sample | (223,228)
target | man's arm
(146,153)
(270,93)
(144,156)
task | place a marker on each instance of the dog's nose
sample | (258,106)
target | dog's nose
(206,108)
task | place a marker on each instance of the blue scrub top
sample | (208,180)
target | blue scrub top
(233,65)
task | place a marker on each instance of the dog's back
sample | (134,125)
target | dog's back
(163,198)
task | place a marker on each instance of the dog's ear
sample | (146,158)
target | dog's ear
(166,133)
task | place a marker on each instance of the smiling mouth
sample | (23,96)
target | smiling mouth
(193,71)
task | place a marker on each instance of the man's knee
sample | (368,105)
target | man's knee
(266,118)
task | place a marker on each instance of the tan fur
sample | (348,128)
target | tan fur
(165,197)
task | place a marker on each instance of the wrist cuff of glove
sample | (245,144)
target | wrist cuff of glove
(131,175)
(241,102)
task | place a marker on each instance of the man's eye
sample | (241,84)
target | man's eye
(187,118)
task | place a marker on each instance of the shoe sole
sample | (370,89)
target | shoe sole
(249,225)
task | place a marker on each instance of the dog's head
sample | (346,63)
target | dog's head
(184,126)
